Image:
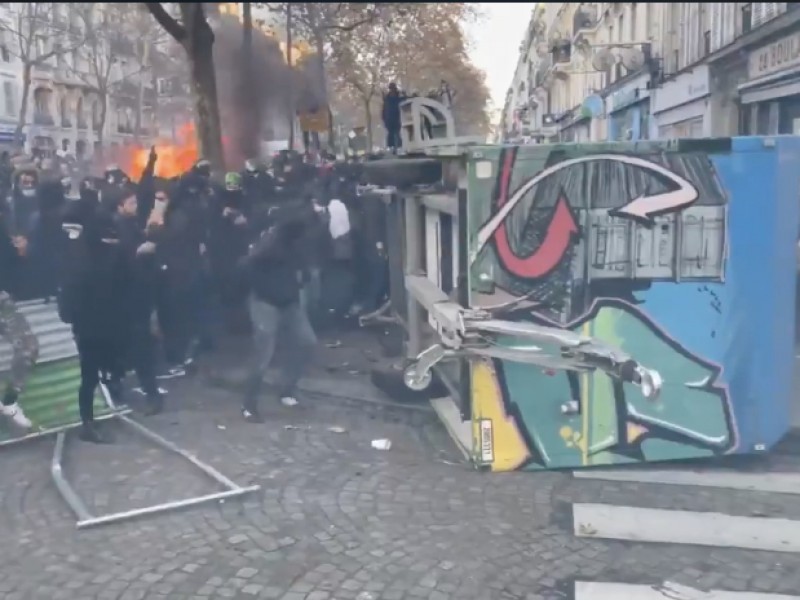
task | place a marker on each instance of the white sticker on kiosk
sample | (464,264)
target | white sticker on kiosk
(483,169)
(487,441)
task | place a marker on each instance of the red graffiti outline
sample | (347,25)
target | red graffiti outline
(561,232)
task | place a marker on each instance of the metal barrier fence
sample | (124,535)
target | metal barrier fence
(50,402)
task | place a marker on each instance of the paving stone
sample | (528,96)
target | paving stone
(335,518)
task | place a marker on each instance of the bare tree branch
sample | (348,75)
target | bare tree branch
(170,24)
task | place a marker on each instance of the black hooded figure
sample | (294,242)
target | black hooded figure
(91,292)
(258,185)
(46,240)
(391,117)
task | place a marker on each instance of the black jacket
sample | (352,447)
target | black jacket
(391,110)
(275,266)
(140,296)
(92,293)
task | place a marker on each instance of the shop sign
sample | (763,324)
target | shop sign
(685,88)
(630,94)
(773,58)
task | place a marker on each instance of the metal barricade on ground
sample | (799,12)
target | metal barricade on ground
(50,401)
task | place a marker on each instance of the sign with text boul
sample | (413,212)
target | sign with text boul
(773,58)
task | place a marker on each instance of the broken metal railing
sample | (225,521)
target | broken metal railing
(467,333)
(86,519)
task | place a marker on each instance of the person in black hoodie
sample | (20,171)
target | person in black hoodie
(273,269)
(92,290)
(182,247)
(391,117)
(140,296)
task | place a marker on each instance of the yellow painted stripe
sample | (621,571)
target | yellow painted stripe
(585,407)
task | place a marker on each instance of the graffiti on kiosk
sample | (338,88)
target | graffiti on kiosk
(577,242)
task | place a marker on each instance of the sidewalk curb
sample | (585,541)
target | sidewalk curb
(334,387)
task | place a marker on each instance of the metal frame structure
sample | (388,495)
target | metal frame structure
(86,519)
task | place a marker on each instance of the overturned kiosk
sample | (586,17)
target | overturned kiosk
(594,304)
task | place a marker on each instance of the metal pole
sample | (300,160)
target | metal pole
(158,508)
(290,83)
(69,495)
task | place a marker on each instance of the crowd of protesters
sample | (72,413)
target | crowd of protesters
(149,273)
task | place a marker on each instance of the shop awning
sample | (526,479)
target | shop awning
(778,85)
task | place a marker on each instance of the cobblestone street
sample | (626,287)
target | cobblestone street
(337,519)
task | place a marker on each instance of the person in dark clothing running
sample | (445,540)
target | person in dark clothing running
(91,295)
(140,296)
(391,117)
(273,269)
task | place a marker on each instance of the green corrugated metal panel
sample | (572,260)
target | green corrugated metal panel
(51,398)
(51,393)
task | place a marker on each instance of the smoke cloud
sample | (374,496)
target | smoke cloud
(254,107)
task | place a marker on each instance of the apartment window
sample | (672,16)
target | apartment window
(620,25)
(5,55)
(41,45)
(61,60)
(10,98)
(633,29)
(747,18)
(41,101)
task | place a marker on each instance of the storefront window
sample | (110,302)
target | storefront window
(696,128)
(619,125)
(691,128)
(789,117)
(762,119)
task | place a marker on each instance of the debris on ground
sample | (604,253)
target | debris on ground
(382,444)
(337,429)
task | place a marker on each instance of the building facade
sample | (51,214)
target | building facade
(80,95)
(634,71)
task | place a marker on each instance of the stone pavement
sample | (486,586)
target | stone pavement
(337,519)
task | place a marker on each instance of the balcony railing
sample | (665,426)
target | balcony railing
(40,118)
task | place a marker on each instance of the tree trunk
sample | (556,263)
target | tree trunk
(19,140)
(290,91)
(368,120)
(250,133)
(199,50)
(319,41)
(143,60)
(103,116)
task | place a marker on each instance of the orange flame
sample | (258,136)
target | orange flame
(174,158)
